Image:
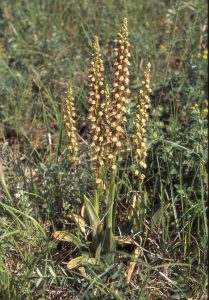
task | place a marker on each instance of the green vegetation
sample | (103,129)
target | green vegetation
(43,45)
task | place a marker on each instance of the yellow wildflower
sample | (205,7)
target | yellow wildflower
(194,106)
(18,75)
(205,54)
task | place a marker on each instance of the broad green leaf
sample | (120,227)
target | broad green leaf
(66,237)
(93,217)
(109,243)
(97,241)
(81,260)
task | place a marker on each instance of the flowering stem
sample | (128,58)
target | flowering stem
(98,191)
(109,242)
(141,205)
(139,184)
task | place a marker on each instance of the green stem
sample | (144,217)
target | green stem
(109,240)
(140,182)
(136,220)
(111,199)
(97,193)
(96,200)
(141,205)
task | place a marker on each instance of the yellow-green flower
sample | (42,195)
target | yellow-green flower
(18,74)
(195,106)
(205,54)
